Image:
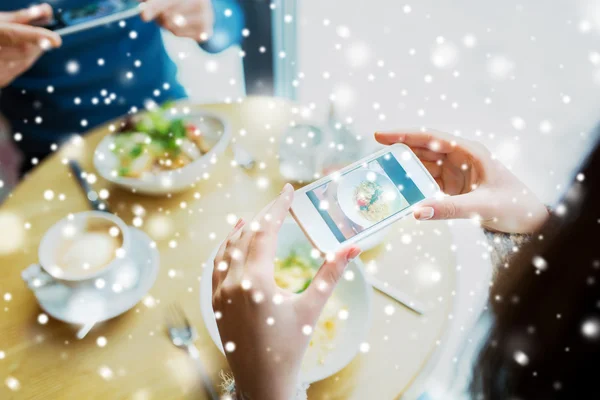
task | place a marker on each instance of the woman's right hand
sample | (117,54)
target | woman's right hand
(265,330)
(478,184)
(22,44)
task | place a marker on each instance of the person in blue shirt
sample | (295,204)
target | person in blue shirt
(53,87)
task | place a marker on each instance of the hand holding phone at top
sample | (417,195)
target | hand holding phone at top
(22,44)
(478,184)
(192,19)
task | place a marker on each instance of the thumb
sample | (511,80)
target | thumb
(450,207)
(327,277)
(27,15)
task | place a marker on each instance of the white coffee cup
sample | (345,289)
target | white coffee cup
(114,269)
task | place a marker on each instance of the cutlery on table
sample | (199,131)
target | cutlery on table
(242,157)
(396,294)
(84,330)
(90,194)
(183,335)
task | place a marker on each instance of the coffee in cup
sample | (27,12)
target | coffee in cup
(87,248)
(90,248)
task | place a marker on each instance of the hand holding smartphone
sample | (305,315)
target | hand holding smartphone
(362,198)
(91,15)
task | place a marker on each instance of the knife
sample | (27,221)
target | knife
(90,194)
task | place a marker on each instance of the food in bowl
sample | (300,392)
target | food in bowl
(295,273)
(152,142)
(371,202)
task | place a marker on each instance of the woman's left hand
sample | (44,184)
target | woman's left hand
(265,330)
(192,19)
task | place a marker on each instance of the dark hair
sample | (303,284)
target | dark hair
(544,341)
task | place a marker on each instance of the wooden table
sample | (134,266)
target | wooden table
(45,361)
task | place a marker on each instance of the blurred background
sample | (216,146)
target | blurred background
(523,76)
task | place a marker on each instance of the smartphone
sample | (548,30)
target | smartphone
(358,200)
(91,15)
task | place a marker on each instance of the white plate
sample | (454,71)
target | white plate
(349,183)
(86,303)
(355,294)
(106,163)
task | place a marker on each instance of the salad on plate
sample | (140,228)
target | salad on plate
(371,202)
(153,142)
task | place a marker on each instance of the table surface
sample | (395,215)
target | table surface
(46,361)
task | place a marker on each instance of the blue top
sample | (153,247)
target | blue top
(97,75)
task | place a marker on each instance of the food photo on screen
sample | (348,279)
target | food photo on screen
(358,199)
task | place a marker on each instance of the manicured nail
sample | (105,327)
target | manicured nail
(424,213)
(286,188)
(353,253)
(238,223)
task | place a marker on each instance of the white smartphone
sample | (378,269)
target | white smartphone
(358,200)
(94,14)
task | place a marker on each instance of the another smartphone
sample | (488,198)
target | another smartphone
(362,198)
(91,15)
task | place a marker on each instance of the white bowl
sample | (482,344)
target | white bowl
(164,182)
(347,187)
(352,291)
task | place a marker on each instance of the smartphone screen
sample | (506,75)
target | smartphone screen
(90,12)
(358,199)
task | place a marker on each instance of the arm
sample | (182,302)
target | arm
(229,21)
(10,158)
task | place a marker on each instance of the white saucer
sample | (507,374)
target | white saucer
(88,304)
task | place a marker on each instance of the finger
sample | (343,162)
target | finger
(20,53)
(327,277)
(31,53)
(17,35)
(440,183)
(427,155)
(451,207)
(236,256)
(187,23)
(245,237)
(434,168)
(440,142)
(220,265)
(27,15)
(154,8)
(264,242)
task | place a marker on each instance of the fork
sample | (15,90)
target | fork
(242,157)
(183,335)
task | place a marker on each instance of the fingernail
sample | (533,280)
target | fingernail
(424,213)
(35,11)
(147,13)
(286,188)
(352,254)
(238,223)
